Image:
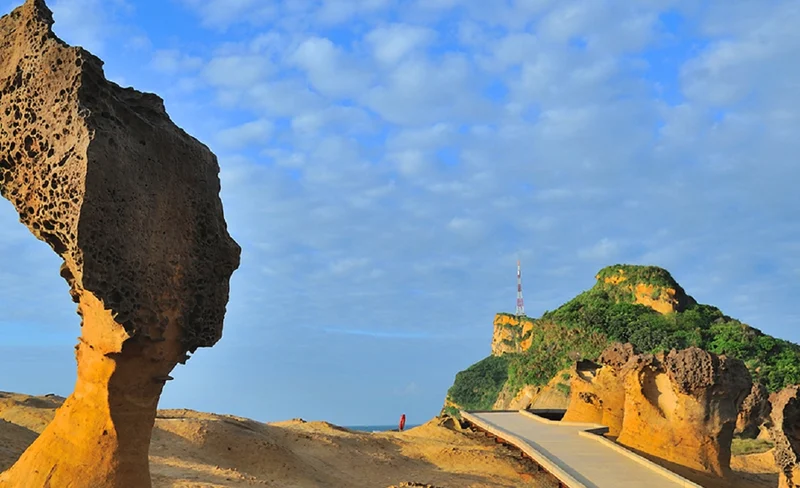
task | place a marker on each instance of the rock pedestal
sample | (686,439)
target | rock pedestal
(131,204)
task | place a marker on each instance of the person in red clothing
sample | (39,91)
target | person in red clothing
(402,422)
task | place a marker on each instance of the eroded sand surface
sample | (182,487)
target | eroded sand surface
(193,450)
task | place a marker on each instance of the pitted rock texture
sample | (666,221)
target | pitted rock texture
(617,355)
(785,434)
(131,203)
(101,174)
(681,407)
(754,413)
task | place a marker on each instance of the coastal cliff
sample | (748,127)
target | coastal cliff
(511,334)
(641,305)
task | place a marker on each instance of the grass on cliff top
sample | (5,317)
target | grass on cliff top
(584,326)
(741,447)
(648,275)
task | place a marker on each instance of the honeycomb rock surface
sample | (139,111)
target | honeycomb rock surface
(131,204)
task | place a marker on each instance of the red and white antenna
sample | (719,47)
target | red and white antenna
(520,302)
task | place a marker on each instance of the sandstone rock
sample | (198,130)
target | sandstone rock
(413,484)
(131,203)
(617,355)
(598,391)
(511,334)
(664,298)
(552,396)
(785,434)
(683,407)
(754,412)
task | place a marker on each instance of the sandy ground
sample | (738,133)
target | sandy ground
(193,450)
(197,450)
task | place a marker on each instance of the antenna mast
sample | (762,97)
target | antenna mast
(520,302)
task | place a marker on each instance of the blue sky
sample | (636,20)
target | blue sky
(385,162)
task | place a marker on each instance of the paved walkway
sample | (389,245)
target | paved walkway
(580,459)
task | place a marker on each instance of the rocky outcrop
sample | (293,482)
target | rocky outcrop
(785,434)
(555,395)
(131,204)
(681,407)
(598,391)
(754,413)
(511,334)
(646,285)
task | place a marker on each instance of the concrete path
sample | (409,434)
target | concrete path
(575,453)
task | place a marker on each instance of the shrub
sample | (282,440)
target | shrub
(477,387)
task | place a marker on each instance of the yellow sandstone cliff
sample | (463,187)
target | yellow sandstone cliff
(662,298)
(511,334)
(645,285)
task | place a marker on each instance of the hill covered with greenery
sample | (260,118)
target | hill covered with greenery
(623,306)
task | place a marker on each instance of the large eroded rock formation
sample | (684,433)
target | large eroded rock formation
(754,413)
(131,203)
(785,433)
(681,407)
(597,392)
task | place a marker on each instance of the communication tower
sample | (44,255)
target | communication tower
(520,302)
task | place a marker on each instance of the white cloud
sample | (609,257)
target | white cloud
(393,42)
(223,13)
(424,92)
(604,251)
(388,175)
(172,61)
(283,98)
(329,69)
(237,71)
(257,132)
(337,11)
(87,23)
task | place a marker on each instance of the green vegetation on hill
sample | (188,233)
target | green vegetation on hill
(648,275)
(584,326)
(553,348)
(477,387)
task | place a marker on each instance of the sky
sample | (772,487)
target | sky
(384,163)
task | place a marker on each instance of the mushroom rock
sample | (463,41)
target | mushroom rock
(683,407)
(754,412)
(131,204)
(785,434)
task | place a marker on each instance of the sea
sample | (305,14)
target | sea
(379,428)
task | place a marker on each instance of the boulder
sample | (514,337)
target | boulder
(597,393)
(754,413)
(131,204)
(682,407)
(785,434)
